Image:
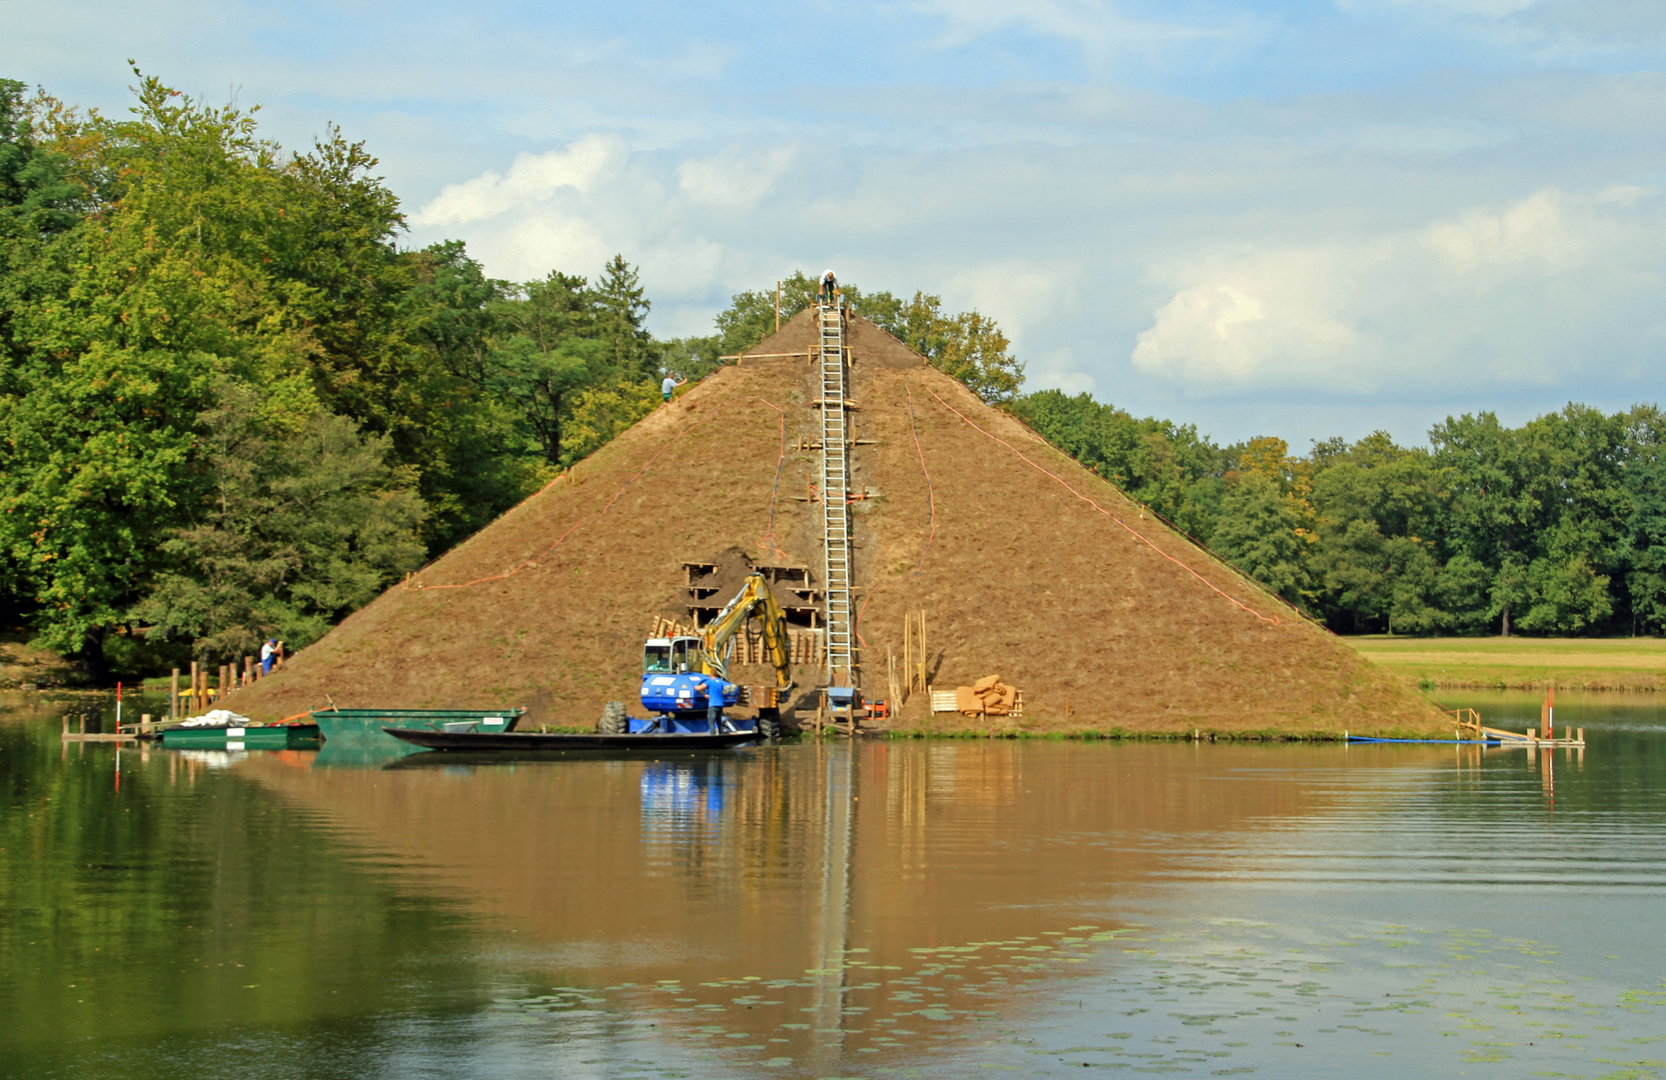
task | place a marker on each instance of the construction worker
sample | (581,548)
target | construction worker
(670,384)
(268,652)
(829,285)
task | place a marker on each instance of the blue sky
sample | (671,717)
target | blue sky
(1300,219)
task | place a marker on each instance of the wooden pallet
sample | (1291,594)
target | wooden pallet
(947,701)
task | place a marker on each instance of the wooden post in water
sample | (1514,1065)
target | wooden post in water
(173,696)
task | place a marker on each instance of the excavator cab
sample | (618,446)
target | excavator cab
(670,656)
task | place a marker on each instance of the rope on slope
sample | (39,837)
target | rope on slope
(562,539)
(931,536)
(1269,619)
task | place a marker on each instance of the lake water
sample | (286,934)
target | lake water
(911,909)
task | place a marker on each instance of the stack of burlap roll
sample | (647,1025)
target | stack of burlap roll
(989,696)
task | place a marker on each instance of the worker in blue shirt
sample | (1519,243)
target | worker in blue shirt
(669,386)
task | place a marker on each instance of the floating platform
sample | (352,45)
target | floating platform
(532,741)
(84,736)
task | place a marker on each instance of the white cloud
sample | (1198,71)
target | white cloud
(1017,293)
(734,180)
(1058,369)
(1248,319)
(585,162)
(1490,296)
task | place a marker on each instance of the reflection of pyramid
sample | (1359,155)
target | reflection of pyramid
(1024,563)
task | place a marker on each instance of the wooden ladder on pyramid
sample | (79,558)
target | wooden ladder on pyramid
(840,648)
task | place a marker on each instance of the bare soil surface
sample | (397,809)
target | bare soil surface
(1106,621)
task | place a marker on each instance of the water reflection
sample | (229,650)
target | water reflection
(839,910)
(683,797)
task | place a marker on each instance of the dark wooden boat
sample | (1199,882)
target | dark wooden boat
(536,741)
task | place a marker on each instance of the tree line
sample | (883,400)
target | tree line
(234,406)
(1557,527)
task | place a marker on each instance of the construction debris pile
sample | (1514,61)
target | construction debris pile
(989,696)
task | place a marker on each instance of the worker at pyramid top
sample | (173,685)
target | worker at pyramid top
(829,286)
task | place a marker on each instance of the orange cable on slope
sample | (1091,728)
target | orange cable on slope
(408,587)
(931,496)
(1271,619)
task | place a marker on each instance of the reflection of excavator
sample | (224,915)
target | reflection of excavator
(685,679)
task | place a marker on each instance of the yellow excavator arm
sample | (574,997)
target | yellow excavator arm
(754,600)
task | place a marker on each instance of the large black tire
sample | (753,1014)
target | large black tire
(769,725)
(613,718)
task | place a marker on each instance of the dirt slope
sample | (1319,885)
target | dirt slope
(1105,620)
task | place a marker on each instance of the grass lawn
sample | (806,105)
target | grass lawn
(1521,663)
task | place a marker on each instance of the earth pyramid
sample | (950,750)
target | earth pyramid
(1023,563)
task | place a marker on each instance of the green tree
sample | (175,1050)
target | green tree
(101,409)
(1376,509)
(1645,521)
(1258,533)
(1168,467)
(620,307)
(750,316)
(549,347)
(474,457)
(602,412)
(968,346)
(302,522)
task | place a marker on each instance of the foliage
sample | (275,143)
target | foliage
(303,523)
(968,345)
(1167,467)
(1556,527)
(1258,531)
(602,412)
(229,396)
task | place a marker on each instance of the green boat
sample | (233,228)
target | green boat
(355,736)
(227,737)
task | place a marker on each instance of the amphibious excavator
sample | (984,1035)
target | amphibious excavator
(685,680)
